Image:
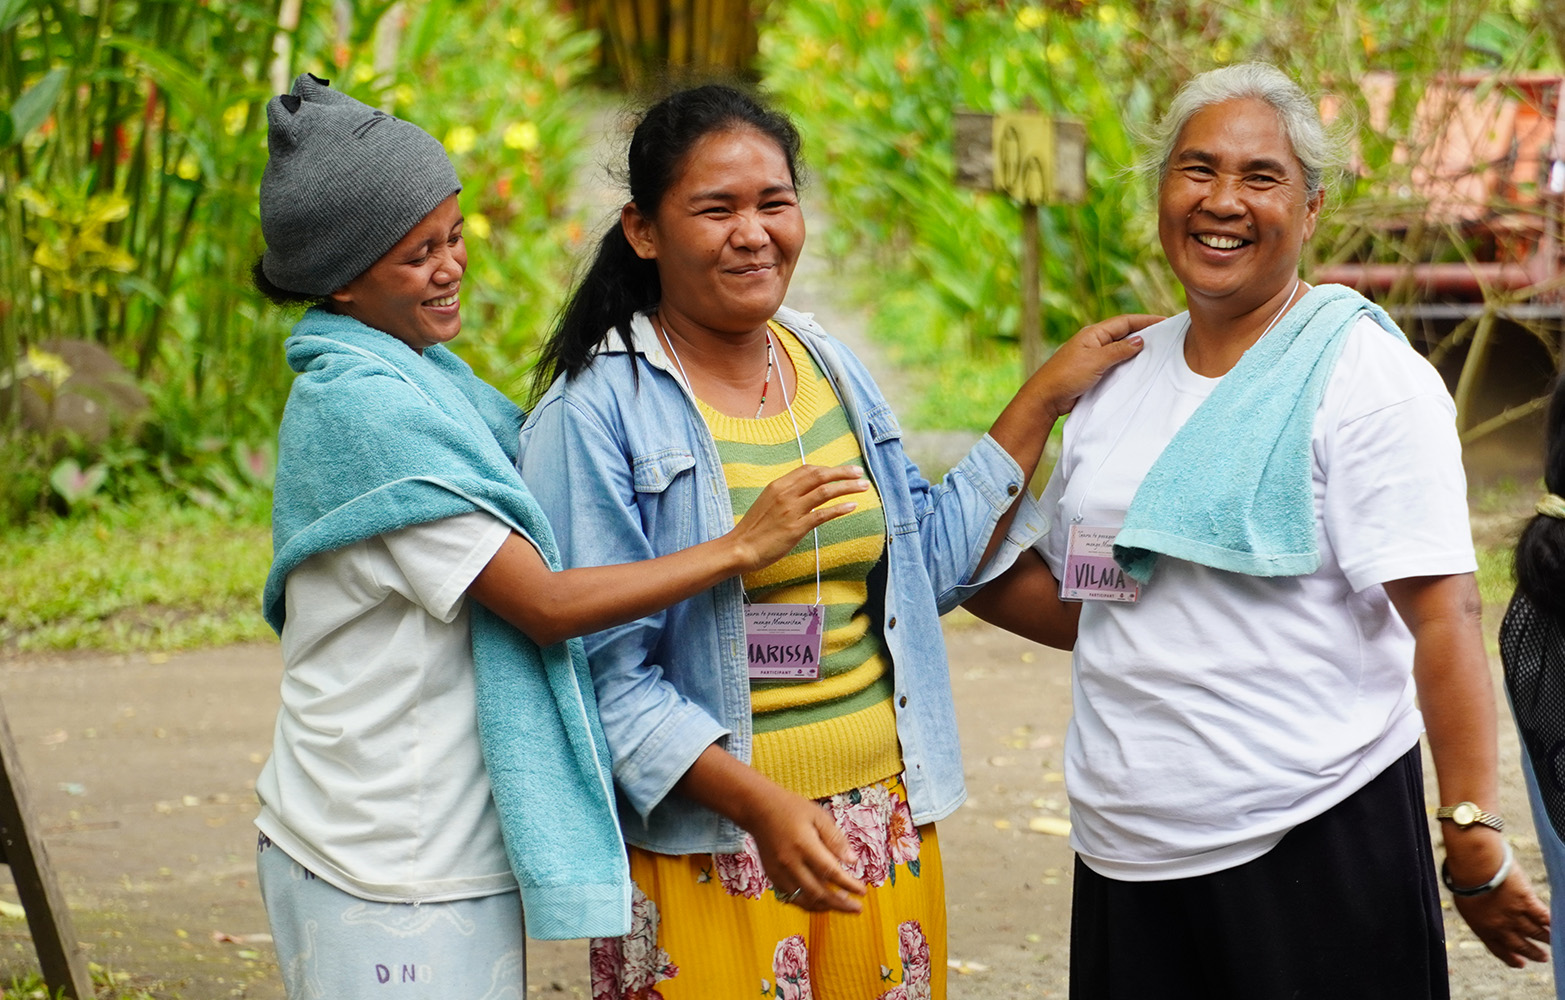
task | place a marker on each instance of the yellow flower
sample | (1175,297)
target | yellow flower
(521,135)
(48,364)
(1056,54)
(516,38)
(461,139)
(234,117)
(403,95)
(1030,18)
(189,167)
(363,74)
(476,224)
(1108,15)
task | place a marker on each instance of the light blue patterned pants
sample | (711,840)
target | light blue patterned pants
(335,946)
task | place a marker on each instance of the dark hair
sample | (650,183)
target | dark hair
(281,297)
(1540,552)
(618,284)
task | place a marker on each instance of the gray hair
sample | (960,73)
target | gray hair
(1298,115)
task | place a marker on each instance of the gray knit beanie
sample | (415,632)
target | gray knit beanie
(344,182)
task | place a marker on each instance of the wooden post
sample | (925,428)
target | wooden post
(1032,278)
(1036,161)
(54,938)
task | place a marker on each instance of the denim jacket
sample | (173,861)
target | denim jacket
(626,469)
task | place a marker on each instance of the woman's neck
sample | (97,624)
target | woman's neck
(730,372)
(1219,335)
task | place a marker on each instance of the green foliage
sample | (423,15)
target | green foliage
(873,84)
(108,985)
(491,80)
(157,575)
(131,148)
(1496,577)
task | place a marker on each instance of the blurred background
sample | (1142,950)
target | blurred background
(141,378)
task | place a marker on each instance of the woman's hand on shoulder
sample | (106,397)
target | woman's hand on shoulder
(789,508)
(1078,364)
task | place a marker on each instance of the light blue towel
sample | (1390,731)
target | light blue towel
(1233,489)
(376,437)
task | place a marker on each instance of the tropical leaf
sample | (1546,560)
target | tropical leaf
(32,109)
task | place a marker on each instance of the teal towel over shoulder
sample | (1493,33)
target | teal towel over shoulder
(376,437)
(1233,490)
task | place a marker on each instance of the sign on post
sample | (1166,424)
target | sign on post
(1035,160)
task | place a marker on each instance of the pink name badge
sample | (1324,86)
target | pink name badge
(784,641)
(1091,574)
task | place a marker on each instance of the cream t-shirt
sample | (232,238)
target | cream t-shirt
(376,782)
(1222,710)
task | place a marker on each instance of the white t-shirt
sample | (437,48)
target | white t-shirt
(1222,710)
(376,782)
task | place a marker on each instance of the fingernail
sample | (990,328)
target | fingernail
(858,470)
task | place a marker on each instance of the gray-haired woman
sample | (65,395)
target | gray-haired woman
(1243,762)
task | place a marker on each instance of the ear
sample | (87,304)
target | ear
(1312,214)
(640,231)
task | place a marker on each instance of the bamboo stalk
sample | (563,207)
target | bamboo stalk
(652,43)
(700,33)
(678,33)
(1505,418)
(1473,369)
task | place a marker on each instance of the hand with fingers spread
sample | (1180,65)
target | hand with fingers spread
(789,508)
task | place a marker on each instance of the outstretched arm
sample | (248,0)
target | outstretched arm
(1456,695)
(551,606)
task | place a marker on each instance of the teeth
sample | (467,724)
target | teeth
(1221,242)
(449,300)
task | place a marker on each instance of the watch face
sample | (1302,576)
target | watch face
(1465,814)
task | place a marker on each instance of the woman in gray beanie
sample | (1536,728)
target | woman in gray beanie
(432,754)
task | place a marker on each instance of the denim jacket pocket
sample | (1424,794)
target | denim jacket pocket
(653,473)
(664,482)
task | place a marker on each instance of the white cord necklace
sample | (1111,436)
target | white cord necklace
(798,436)
(1286,303)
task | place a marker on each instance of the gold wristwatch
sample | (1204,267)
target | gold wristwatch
(1465,814)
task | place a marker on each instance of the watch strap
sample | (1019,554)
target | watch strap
(1466,814)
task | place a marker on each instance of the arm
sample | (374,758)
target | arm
(552,606)
(1456,695)
(1025,599)
(801,847)
(1050,393)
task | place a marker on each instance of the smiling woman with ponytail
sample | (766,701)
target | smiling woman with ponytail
(1532,646)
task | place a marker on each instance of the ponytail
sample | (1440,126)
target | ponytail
(618,284)
(1540,552)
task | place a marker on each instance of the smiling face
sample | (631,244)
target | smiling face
(726,235)
(1232,210)
(411,292)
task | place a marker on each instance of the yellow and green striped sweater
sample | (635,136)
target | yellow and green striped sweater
(825,736)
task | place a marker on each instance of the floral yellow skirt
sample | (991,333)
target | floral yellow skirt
(710,927)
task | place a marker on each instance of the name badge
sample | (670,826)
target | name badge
(784,641)
(1091,574)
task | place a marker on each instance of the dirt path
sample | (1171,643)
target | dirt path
(142,778)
